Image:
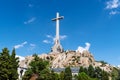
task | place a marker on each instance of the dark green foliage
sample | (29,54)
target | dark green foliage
(118,78)
(81,69)
(86,70)
(14,63)
(8,65)
(115,74)
(103,62)
(105,75)
(91,71)
(54,76)
(98,73)
(39,67)
(68,74)
(62,74)
(84,76)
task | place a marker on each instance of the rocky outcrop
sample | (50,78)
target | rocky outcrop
(69,58)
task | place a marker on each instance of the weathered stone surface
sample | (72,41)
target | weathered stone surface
(69,58)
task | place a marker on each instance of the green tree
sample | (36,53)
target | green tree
(38,67)
(105,75)
(86,70)
(8,65)
(68,74)
(62,74)
(14,66)
(4,64)
(84,76)
(98,73)
(54,76)
(81,69)
(91,71)
(118,78)
(115,74)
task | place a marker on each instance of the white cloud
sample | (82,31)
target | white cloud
(46,41)
(87,46)
(81,49)
(50,36)
(20,45)
(20,57)
(62,37)
(118,66)
(113,4)
(32,45)
(30,20)
(51,39)
(114,12)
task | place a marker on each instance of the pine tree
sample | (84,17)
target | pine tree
(105,75)
(91,71)
(68,74)
(62,74)
(8,65)
(14,65)
(83,76)
(118,78)
(81,69)
(98,73)
(4,64)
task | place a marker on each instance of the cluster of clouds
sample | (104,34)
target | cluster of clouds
(32,19)
(32,46)
(51,39)
(113,6)
(20,45)
(86,48)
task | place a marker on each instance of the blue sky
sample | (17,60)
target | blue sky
(27,26)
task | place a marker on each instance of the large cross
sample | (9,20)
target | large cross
(57,27)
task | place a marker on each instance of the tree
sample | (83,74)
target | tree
(38,67)
(8,65)
(84,76)
(14,65)
(118,78)
(68,74)
(91,71)
(105,75)
(4,64)
(98,73)
(115,74)
(86,70)
(54,76)
(81,69)
(62,74)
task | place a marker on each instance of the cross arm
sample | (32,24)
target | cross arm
(54,19)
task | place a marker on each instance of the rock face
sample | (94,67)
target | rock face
(69,58)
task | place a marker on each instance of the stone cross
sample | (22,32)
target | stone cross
(57,47)
(57,40)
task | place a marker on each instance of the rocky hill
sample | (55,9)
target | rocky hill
(69,58)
